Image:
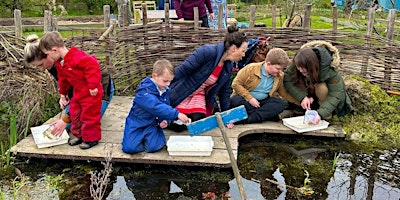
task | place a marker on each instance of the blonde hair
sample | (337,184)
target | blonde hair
(50,40)
(32,51)
(277,56)
(162,65)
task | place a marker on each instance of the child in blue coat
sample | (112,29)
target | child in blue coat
(151,112)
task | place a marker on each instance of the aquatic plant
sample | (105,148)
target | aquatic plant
(99,180)
(335,160)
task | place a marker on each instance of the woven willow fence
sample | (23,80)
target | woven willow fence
(131,54)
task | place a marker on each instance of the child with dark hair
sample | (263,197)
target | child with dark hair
(151,112)
(205,74)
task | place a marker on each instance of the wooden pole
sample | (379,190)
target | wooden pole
(196,18)
(231,156)
(252,16)
(334,19)
(307,17)
(54,24)
(367,44)
(144,12)
(106,13)
(125,15)
(273,13)
(18,23)
(220,15)
(166,10)
(387,77)
(46,20)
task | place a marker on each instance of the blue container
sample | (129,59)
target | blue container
(386,4)
(162,2)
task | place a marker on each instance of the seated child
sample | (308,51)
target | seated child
(259,87)
(151,112)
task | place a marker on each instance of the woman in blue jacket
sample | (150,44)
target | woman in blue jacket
(205,74)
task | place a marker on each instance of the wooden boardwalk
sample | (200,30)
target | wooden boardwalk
(112,130)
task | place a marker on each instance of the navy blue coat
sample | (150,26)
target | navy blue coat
(142,131)
(196,69)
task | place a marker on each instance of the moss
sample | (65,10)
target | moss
(376,114)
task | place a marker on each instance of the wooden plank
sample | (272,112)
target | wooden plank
(112,133)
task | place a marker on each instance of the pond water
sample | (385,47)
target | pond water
(271,166)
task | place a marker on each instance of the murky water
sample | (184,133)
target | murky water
(272,167)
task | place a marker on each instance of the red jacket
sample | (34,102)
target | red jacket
(80,71)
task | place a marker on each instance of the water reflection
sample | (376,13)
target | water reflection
(357,175)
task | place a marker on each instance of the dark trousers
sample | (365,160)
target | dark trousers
(204,21)
(269,109)
(192,116)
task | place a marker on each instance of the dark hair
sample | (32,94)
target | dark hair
(32,51)
(234,37)
(307,59)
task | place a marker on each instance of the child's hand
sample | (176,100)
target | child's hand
(230,125)
(93,92)
(185,119)
(64,101)
(164,124)
(254,102)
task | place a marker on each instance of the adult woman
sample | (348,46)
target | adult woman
(34,56)
(204,74)
(314,81)
(184,10)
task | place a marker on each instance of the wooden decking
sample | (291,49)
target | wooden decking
(112,130)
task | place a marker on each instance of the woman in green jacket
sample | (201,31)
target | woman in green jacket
(313,79)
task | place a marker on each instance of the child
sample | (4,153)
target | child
(82,72)
(150,112)
(259,86)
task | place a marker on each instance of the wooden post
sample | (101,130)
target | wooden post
(231,156)
(387,75)
(367,44)
(273,13)
(106,13)
(114,23)
(46,20)
(144,12)
(125,15)
(334,19)
(220,15)
(196,18)
(252,15)
(54,24)
(18,23)
(307,17)
(166,10)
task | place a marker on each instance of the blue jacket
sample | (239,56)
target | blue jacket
(196,69)
(149,108)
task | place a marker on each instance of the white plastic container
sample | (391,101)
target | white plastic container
(180,145)
(297,124)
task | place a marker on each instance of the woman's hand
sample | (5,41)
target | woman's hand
(306,103)
(163,124)
(58,127)
(254,102)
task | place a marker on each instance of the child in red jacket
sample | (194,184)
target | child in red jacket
(82,72)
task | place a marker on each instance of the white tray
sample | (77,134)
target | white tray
(296,124)
(190,145)
(42,141)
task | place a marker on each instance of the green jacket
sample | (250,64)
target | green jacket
(338,100)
